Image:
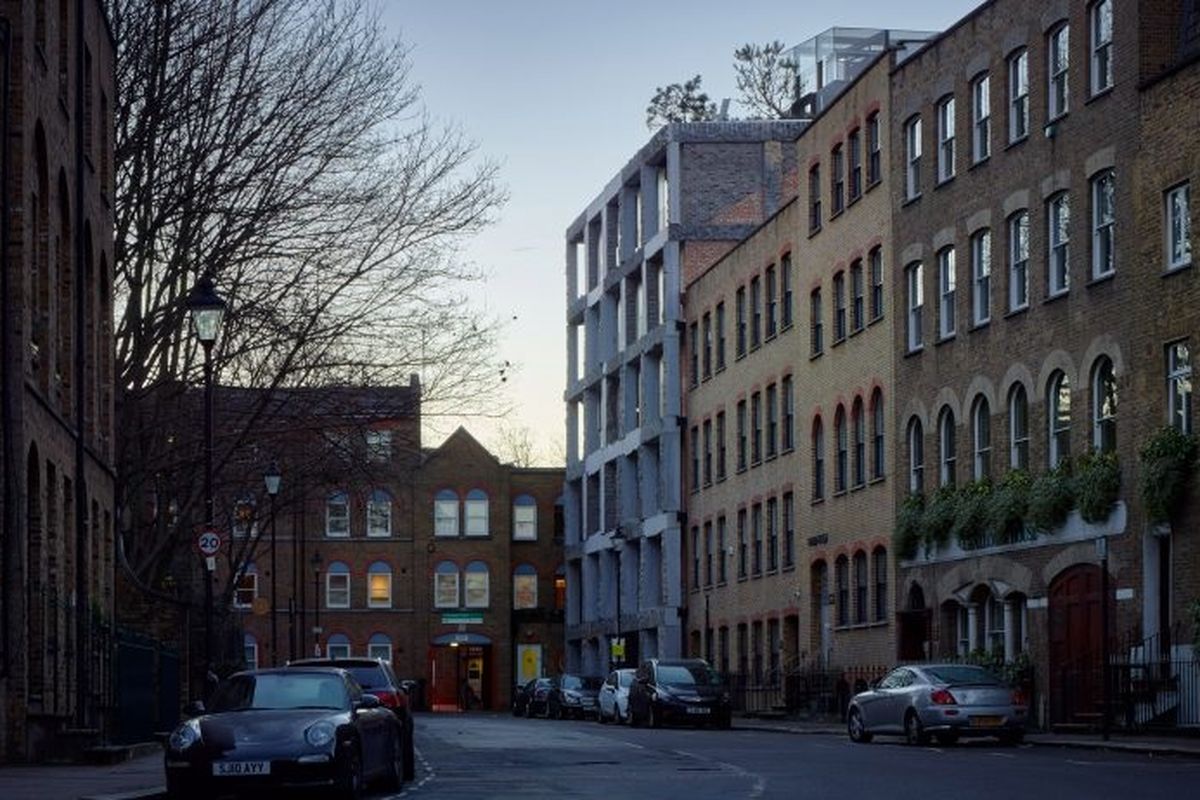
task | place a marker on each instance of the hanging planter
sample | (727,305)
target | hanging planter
(1097,485)
(1051,498)
(907,536)
(970,513)
(1008,507)
(1168,463)
(940,513)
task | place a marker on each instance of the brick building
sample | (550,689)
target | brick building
(56,377)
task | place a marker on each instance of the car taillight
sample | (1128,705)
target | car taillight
(1019,698)
(391,699)
(942,697)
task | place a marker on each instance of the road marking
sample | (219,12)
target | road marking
(1001,755)
(686,754)
(635,746)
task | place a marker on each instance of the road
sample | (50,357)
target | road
(496,756)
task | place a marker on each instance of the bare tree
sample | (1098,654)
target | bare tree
(766,79)
(516,445)
(679,102)
(281,146)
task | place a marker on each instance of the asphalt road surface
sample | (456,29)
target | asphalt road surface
(497,756)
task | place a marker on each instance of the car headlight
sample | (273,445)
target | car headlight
(571,697)
(319,734)
(186,735)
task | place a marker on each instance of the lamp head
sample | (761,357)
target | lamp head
(207,309)
(272,479)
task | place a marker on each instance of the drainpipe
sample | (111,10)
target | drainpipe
(8,356)
(82,604)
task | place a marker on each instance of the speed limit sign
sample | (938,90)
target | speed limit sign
(208,542)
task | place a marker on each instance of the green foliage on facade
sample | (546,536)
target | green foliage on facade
(1051,498)
(1097,485)
(1168,464)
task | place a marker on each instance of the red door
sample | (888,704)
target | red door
(1075,645)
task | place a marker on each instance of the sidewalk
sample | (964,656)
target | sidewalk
(139,778)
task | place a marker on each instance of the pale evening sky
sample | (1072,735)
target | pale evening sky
(556,91)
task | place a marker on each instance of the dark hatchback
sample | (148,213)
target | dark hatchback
(575,696)
(286,729)
(679,690)
(531,699)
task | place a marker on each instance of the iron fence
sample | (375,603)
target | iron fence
(807,690)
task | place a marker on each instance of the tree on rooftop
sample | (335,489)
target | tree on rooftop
(679,102)
(766,79)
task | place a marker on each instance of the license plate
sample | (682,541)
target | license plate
(241,768)
(698,710)
(986,722)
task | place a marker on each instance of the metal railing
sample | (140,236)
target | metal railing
(803,690)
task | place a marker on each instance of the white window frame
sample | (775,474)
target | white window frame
(445,517)
(1104,413)
(874,150)
(250,651)
(468,589)
(1054,408)
(1018,96)
(337,650)
(330,530)
(1018,261)
(875,260)
(1100,15)
(380,650)
(377,508)
(981,434)
(379,446)
(947,449)
(916,304)
(1104,214)
(916,456)
(947,291)
(981,272)
(1177,209)
(945,125)
(371,601)
(244,523)
(1018,433)
(337,577)
(248,573)
(524,522)
(440,578)
(1179,385)
(524,577)
(1058,242)
(981,118)
(1058,72)
(912,158)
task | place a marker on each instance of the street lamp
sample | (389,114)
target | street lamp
(207,309)
(315,561)
(272,479)
(618,544)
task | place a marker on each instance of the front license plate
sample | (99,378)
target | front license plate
(698,710)
(242,768)
(987,722)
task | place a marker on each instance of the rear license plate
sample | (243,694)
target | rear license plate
(698,710)
(242,768)
(987,722)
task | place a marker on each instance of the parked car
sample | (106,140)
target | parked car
(613,700)
(530,699)
(573,696)
(943,700)
(679,690)
(285,729)
(375,675)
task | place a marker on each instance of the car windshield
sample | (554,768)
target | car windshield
(576,682)
(624,679)
(962,673)
(369,677)
(281,691)
(688,675)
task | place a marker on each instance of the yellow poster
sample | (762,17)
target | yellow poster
(529,662)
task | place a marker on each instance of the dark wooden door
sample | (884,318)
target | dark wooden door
(1075,645)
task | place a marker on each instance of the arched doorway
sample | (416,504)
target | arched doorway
(460,672)
(913,640)
(1076,639)
(822,613)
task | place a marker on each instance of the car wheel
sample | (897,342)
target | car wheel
(393,776)
(947,739)
(856,728)
(914,731)
(350,783)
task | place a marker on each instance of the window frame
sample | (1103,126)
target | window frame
(1018,427)
(1105,405)
(947,292)
(841,436)
(1100,77)
(912,157)
(247,582)
(340,571)
(1018,95)
(839,306)
(1058,71)
(858,311)
(1058,244)
(854,164)
(1058,442)
(875,260)
(914,286)
(1104,216)
(371,573)
(878,432)
(815,329)
(946,138)
(439,574)
(1179,382)
(814,198)
(524,572)
(981,118)
(874,150)
(1177,226)
(981,435)
(916,455)
(858,421)
(786,310)
(443,501)
(467,571)
(379,498)
(818,456)
(334,498)
(947,448)
(837,180)
(1018,268)
(981,276)
(476,499)
(787,401)
(771,302)
(522,505)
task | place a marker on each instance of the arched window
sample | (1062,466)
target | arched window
(879,566)
(379,585)
(560,588)
(338,646)
(250,651)
(877,432)
(1018,428)
(916,457)
(475,585)
(380,646)
(841,576)
(839,307)
(247,587)
(818,450)
(861,588)
(476,513)
(244,518)
(1104,406)
(337,514)
(337,585)
(445,585)
(525,588)
(947,448)
(379,514)
(445,513)
(981,430)
(524,518)
(860,443)
(1058,419)
(842,466)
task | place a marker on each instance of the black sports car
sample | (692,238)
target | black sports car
(286,729)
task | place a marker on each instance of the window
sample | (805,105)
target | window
(947,449)
(708,453)
(1059,61)
(694,354)
(445,513)
(755,313)
(722,573)
(772,421)
(853,142)
(1179,226)
(789,530)
(981,428)
(842,582)
(720,336)
(524,518)
(742,435)
(337,585)
(1018,428)
(1058,402)
(877,428)
(837,181)
(720,445)
(1102,32)
(246,588)
(379,447)
(861,588)
(1059,242)
(756,427)
(879,562)
(243,519)
(842,466)
(379,585)
(814,330)
(981,118)
(916,303)
(1104,406)
(945,123)
(560,590)
(475,585)
(337,515)
(708,554)
(818,454)
(476,508)
(788,401)
(814,198)
(445,585)
(912,158)
(379,513)
(874,166)
(916,457)
(525,587)
(739,307)
(1018,95)
(772,300)
(706,332)
(1018,261)
(1103,218)
(694,450)
(785,291)
(772,534)
(981,277)
(839,307)
(859,422)
(947,281)
(875,259)
(1179,386)
(338,646)
(250,651)
(743,548)
(380,646)
(857,307)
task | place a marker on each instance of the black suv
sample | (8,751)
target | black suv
(679,690)
(375,676)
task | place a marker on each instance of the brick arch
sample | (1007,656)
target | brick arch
(1055,360)
(973,572)
(914,408)
(947,397)
(980,385)
(1104,345)
(1016,373)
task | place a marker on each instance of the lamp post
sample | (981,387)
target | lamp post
(315,561)
(272,479)
(207,309)
(618,544)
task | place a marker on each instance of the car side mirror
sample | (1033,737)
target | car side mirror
(366,702)
(193,709)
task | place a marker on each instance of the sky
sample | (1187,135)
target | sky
(555,92)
